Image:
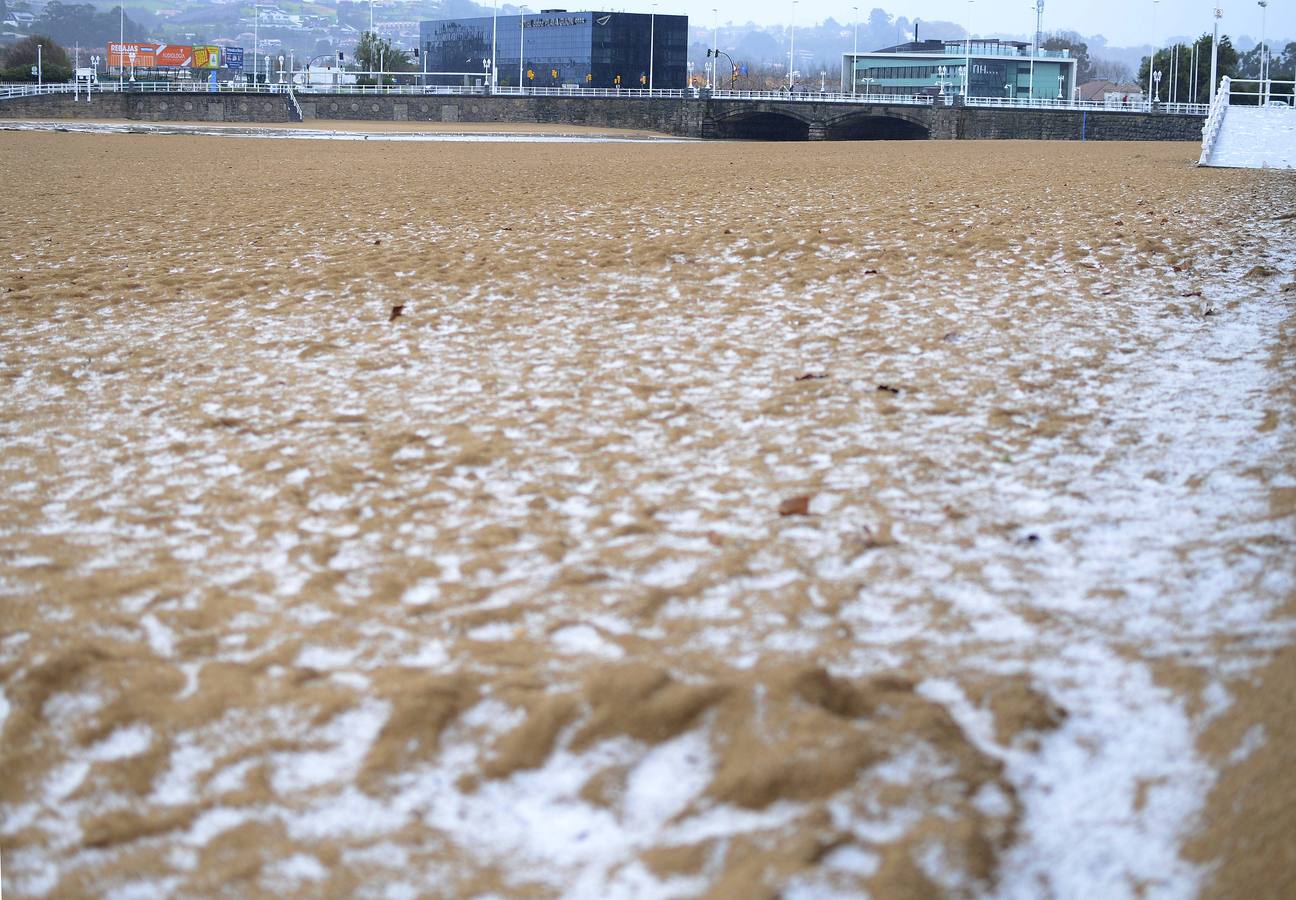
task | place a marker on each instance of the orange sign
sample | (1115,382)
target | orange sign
(119,54)
(174,55)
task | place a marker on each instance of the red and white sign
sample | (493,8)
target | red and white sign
(119,54)
(174,55)
(149,56)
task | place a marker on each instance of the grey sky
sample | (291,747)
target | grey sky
(1122,22)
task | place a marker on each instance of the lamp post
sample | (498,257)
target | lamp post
(1264,54)
(40,70)
(522,44)
(1152,57)
(1062,80)
(792,48)
(854,50)
(967,61)
(131,55)
(1156,77)
(1219,13)
(652,44)
(256,40)
(281,68)
(494,32)
(121,42)
(715,48)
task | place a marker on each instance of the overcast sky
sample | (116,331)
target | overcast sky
(1122,22)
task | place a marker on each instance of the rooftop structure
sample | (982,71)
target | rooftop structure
(973,68)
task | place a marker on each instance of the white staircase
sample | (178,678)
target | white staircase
(1249,137)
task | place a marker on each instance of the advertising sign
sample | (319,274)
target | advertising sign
(119,54)
(233,58)
(206,57)
(174,55)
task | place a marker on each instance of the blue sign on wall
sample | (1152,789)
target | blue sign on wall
(233,57)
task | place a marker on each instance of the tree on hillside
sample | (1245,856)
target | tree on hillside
(19,59)
(1111,70)
(1228,65)
(1281,62)
(1078,50)
(82,23)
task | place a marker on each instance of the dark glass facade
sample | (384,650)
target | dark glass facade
(557,49)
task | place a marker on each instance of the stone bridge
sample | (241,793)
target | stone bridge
(700,117)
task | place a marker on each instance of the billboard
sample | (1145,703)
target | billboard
(119,54)
(174,56)
(206,57)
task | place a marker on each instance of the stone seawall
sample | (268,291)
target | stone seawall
(691,117)
(670,116)
(148,107)
(972,123)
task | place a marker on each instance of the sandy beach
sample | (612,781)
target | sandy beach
(645,520)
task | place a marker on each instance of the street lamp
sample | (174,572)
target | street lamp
(652,44)
(1264,54)
(494,27)
(1152,57)
(792,47)
(967,62)
(1215,52)
(855,50)
(131,56)
(521,45)
(715,50)
(1156,77)
(281,71)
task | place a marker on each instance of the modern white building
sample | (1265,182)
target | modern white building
(975,68)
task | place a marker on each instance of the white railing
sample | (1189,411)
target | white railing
(1255,92)
(297,110)
(1215,118)
(1183,109)
(656,93)
(201,87)
(9,91)
(828,97)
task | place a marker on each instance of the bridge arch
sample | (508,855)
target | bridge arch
(877,126)
(762,124)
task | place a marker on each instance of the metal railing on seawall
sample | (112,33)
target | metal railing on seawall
(832,97)
(8,91)
(1138,106)
(12,91)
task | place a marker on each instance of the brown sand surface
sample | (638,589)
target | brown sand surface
(644,520)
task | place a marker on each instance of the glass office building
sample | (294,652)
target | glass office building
(992,68)
(557,48)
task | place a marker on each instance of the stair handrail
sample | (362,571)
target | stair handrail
(292,98)
(1214,119)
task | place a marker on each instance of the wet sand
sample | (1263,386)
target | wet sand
(644,520)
